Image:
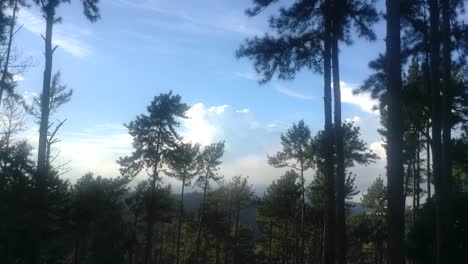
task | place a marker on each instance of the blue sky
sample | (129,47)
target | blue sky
(142,48)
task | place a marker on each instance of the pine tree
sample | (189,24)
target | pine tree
(154,135)
(211,156)
(49,10)
(396,203)
(296,155)
(185,163)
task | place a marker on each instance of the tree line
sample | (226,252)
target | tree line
(418,214)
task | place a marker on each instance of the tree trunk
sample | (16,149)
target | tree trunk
(202,212)
(179,225)
(408,177)
(8,51)
(428,168)
(150,213)
(329,219)
(447,97)
(236,234)
(41,174)
(414,190)
(418,172)
(340,169)
(301,254)
(161,247)
(396,199)
(217,255)
(270,242)
(436,133)
(228,232)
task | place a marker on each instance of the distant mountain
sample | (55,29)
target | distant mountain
(248,216)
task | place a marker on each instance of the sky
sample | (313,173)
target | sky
(141,48)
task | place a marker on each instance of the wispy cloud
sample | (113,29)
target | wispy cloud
(291,93)
(67,36)
(218,109)
(247,75)
(243,111)
(197,22)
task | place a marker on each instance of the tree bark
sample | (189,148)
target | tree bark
(41,174)
(340,169)
(396,200)
(150,213)
(179,225)
(436,132)
(329,217)
(236,234)
(202,212)
(270,242)
(428,168)
(228,232)
(301,254)
(447,97)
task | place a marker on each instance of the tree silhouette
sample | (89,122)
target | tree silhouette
(154,135)
(49,10)
(396,204)
(302,40)
(185,163)
(296,155)
(210,156)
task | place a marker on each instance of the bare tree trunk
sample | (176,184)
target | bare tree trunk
(202,212)
(408,177)
(418,172)
(236,234)
(436,132)
(161,247)
(329,219)
(396,199)
(179,225)
(340,169)
(270,242)
(428,168)
(5,72)
(301,256)
(228,232)
(414,190)
(150,213)
(447,97)
(41,174)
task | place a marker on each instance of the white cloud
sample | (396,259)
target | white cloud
(218,109)
(361,100)
(94,152)
(197,127)
(255,166)
(354,119)
(67,36)
(291,93)
(18,78)
(378,148)
(28,97)
(243,111)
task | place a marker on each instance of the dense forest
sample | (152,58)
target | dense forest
(416,213)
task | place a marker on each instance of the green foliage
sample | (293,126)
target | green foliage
(154,134)
(295,143)
(375,197)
